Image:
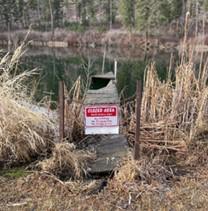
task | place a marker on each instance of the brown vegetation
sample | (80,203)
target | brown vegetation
(174,119)
(66,161)
(24,133)
(173,112)
(114,38)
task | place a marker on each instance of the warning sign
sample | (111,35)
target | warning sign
(101,119)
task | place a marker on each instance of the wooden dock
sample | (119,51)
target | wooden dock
(102,90)
(110,150)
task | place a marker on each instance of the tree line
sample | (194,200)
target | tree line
(142,15)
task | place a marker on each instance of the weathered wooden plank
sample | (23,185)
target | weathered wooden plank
(108,75)
(106,95)
(110,151)
(113,139)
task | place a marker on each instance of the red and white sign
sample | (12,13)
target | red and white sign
(101,119)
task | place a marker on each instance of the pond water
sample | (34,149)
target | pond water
(68,64)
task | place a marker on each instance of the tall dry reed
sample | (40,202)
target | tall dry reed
(173,111)
(73,112)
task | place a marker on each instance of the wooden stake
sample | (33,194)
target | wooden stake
(61,110)
(138,116)
(115,69)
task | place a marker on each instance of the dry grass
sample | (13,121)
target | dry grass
(43,191)
(174,119)
(24,133)
(146,171)
(173,112)
(73,112)
(66,161)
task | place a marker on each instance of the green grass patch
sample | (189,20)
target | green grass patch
(14,173)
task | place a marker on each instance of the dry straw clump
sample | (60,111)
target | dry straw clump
(24,133)
(146,171)
(172,111)
(66,161)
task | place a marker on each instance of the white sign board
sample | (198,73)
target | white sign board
(101,119)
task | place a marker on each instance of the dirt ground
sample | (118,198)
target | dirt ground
(150,190)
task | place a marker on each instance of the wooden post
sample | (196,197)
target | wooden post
(138,116)
(115,69)
(61,111)
(103,65)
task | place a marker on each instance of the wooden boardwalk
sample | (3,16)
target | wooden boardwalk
(110,150)
(104,95)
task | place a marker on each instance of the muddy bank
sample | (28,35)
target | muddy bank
(114,38)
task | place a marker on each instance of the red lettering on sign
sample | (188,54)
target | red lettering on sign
(101,111)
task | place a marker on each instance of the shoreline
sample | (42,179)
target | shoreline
(90,39)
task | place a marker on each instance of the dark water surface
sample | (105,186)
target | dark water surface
(68,64)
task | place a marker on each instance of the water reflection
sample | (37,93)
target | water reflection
(68,64)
